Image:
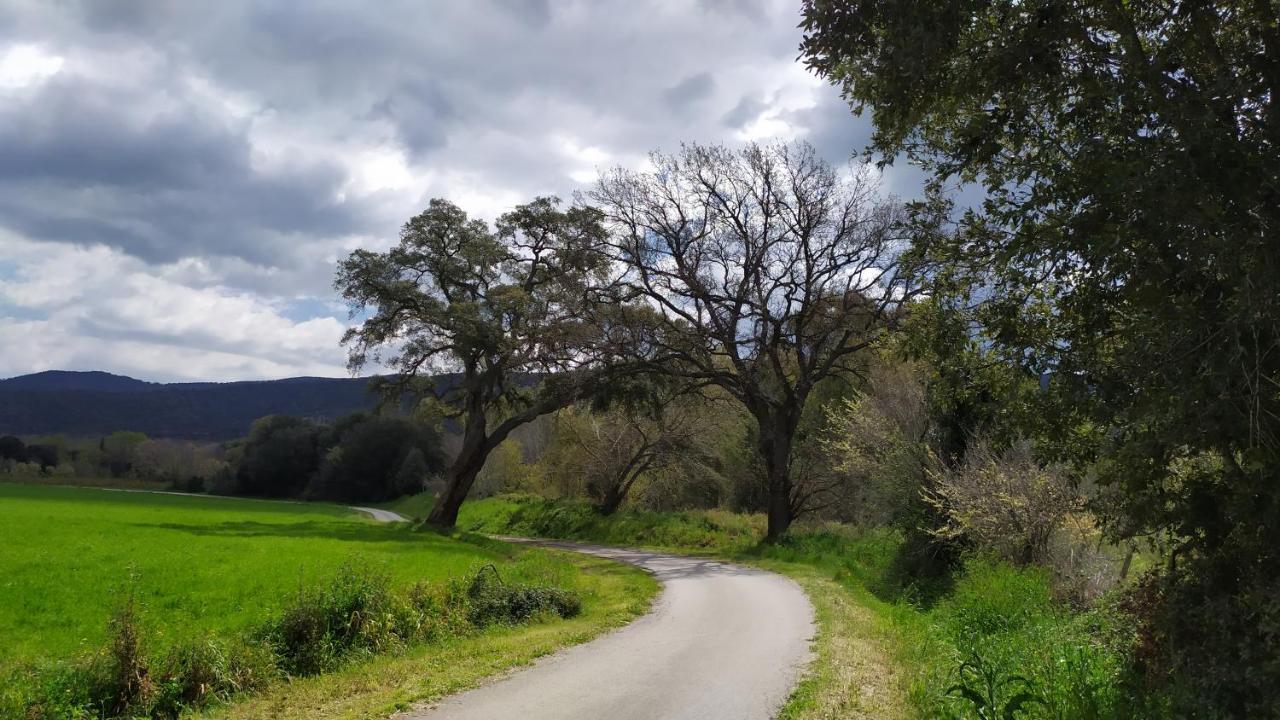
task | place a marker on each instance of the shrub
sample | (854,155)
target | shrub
(355,612)
(208,670)
(1004,502)
(494,602)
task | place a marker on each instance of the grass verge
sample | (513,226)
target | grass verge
(613,595)
(887,649)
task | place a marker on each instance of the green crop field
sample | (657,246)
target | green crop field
(195,564)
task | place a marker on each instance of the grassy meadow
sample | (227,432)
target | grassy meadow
(208,569)
(195,564)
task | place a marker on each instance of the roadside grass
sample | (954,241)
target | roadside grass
(207,574)
(885,650)
(613,595)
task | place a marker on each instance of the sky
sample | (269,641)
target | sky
(179,179)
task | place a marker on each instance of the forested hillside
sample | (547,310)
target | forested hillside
(95,403)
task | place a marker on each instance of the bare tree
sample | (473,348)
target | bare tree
(615,447)
(767,272)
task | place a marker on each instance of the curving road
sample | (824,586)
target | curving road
(381,515)
(723,642)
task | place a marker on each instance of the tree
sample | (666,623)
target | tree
(279,457)
(46,456)
(506,309)
(376,458)
(1128,243)
(767,272)
(119,451)
(12,448)
(616,446)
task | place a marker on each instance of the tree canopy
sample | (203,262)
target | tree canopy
(767,272)
(507,309)
(1128,244)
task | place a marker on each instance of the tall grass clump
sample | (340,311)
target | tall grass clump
(1015,652)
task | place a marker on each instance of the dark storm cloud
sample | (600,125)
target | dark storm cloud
(748,109)
(689,91)
(481,89)
(80,163)
(833,129)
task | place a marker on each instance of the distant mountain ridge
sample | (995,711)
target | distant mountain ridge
(72,380)
(85,404)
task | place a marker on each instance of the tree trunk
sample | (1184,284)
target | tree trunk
(775,450)
(462,474)
(611,501)
(780,514)
(444,514)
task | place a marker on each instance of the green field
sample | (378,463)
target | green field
(195,564)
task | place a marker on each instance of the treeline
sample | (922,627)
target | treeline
(178,464)
(358,458)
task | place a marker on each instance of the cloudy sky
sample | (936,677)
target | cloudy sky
(178,179)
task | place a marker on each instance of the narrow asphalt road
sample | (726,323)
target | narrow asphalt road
(723,642)
(382,515)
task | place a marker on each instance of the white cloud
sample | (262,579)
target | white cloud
(100,309)
(25,64)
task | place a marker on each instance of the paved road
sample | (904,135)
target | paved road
(723,642)
(382,515)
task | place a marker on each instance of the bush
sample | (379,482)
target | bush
(1007,630)
(1004,502)
(356,612)
(493,601)
(120,681)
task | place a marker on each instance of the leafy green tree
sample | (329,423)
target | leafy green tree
(767,273)
(375,458)
(279,457)
(1130,154)
(504,309)
(12,448)
(120,451)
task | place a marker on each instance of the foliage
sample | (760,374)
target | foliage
(1003,502)
(505,470)
(880,441)
(993,697)
(501,307)
(604,454)
(1127,243)
(376,458)
(490,600)
(768,272)
(13,449)
(538,517)
(119,451)
(278,457)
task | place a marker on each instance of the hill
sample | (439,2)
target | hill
(96,403)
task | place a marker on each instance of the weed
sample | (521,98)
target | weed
(493,601)
(992,694)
